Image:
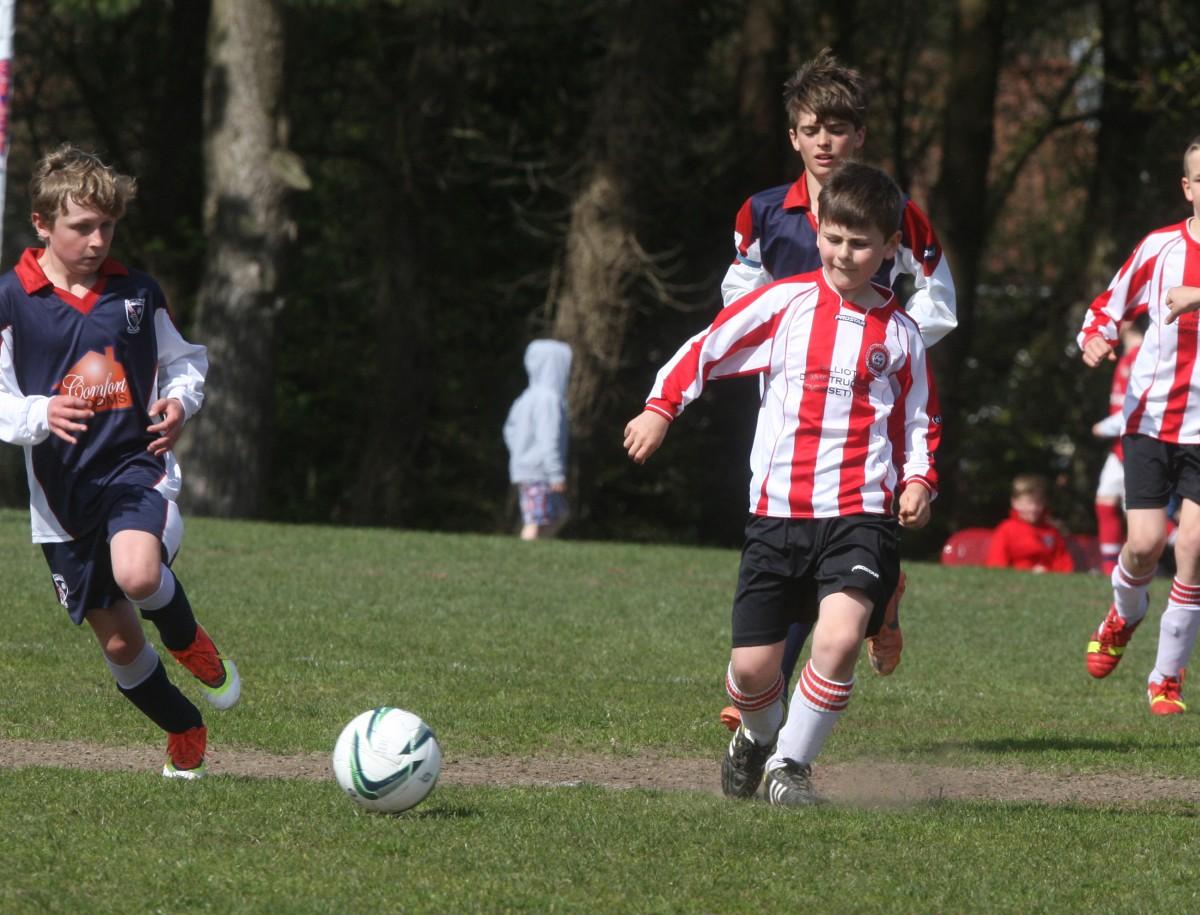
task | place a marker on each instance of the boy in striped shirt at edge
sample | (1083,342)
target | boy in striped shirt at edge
(846,432)
(775,235)
(1161,442)
(96,384)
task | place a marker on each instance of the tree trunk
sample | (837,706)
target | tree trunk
(604,259)
(958,205)
(766,156)
(228,449)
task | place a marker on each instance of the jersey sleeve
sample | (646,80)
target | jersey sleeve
(23,420)
(997,554)
(737,343)
(747,272)
(1128,291)
(1062,561)
(933,304)
(182,366)
(1111,426)
(922,421)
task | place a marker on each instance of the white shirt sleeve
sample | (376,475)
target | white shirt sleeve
(23,420)
(182,366)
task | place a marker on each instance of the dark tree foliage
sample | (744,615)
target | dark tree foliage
(447,142)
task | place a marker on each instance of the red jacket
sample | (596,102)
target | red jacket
(1018,544)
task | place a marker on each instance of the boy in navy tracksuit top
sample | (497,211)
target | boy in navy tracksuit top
(96,384)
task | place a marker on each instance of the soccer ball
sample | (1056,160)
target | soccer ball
(387,760)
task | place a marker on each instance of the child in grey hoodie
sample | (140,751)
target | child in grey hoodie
(536,435)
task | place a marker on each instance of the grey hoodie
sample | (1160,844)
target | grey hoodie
(536,429)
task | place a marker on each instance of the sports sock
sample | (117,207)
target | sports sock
(1131,595)
(762,713)
(817,705)
(1177,631)
(1110,531)
(161,701)
(136,671)
(170,612)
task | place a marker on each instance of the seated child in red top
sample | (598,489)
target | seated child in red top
(1027,539)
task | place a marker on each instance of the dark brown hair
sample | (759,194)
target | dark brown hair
(859,196)
(827,90)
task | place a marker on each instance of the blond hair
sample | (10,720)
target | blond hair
(1031,484)
(68,173)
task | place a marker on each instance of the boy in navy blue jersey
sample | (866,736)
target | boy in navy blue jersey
(775,236)
(96,384)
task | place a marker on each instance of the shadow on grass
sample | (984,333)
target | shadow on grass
(1017,745)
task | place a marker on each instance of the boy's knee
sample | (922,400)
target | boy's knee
(752,677)
(1144,552)
(138,580)
(841,648)
(122,649)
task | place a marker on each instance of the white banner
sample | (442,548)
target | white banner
(6,49)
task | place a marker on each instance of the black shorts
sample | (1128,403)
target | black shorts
(1154,468)
(81,569)
(789,566)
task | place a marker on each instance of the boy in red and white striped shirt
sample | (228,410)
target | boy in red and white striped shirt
(846,434)
(1161,442)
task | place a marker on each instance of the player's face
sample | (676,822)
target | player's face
(852,256)
(1191,182)
(824,144)
(1029,507)
(79,239)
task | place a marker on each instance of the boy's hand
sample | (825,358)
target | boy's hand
(914,506)
(1096,350)
(168,427)
(1181,300)
(643,435)
(66,414)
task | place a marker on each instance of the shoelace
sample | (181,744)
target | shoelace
(1170,689)
(1112,633)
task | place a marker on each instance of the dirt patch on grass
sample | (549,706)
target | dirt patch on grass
(859,782)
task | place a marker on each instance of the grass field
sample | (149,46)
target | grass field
(606,650)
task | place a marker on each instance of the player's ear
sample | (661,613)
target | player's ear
(892,244)
(40,226)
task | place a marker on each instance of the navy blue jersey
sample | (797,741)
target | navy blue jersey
(775,236)
(106,348)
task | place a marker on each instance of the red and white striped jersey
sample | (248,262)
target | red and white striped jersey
(849,415)
(1163,397)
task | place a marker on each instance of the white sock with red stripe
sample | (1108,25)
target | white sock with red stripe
(817,704)
(1131,594)
(762,713)
(1177,631)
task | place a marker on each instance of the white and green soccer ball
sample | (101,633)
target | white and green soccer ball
(387,760)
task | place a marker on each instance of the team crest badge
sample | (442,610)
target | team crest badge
(877,359)
(60,588)
(134,309)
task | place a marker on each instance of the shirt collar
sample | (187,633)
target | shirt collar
(797,195)
(29,270)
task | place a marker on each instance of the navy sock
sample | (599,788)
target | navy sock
(175,622)
(797,635)
(161,701)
